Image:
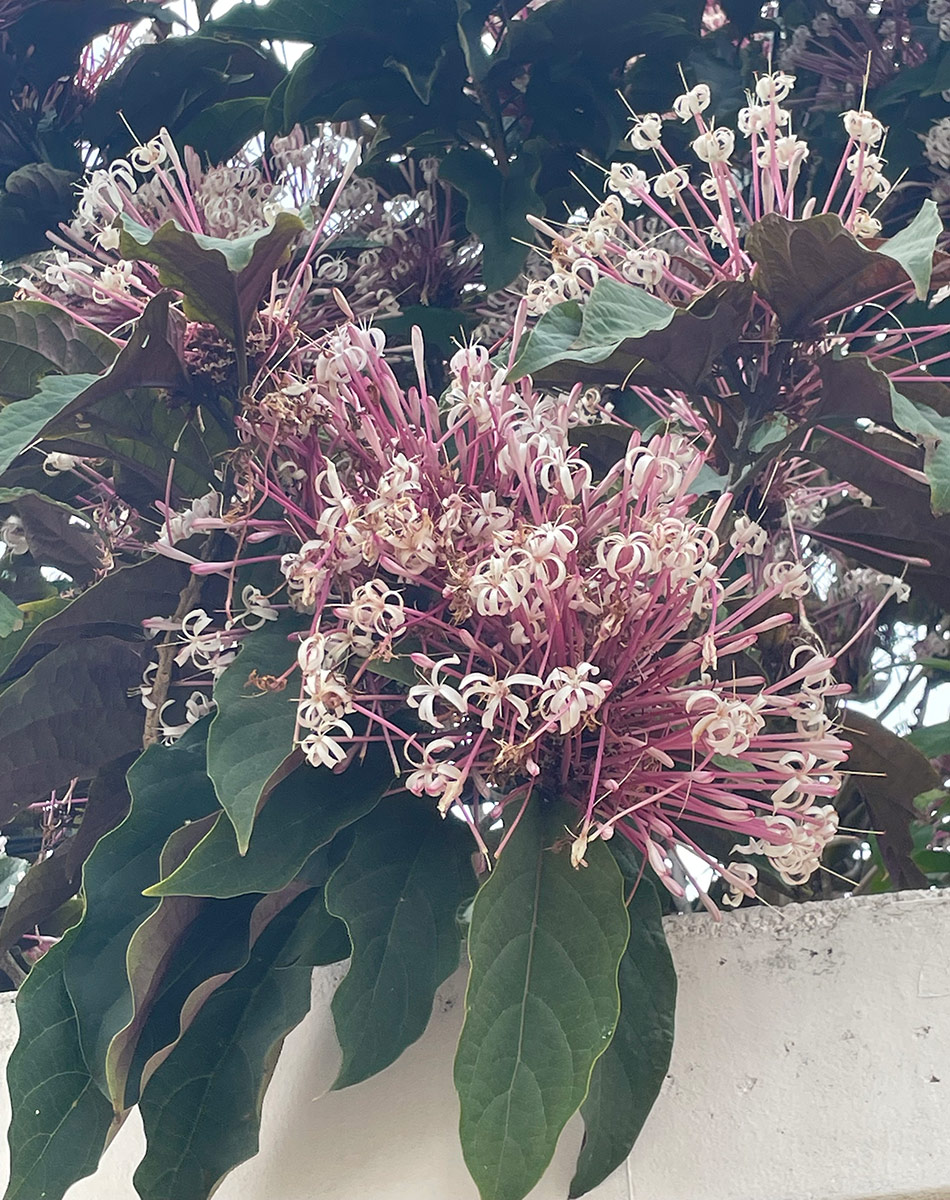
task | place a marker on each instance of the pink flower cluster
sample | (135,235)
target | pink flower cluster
(512,626)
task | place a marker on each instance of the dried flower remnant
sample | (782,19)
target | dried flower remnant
(570,638)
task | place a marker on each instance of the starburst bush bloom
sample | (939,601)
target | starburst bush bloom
(556,635)
(382,251)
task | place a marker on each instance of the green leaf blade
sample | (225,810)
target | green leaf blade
(202,1107)
(304,812)
(398,892)
(542,1002)
(914,247)
(251,733)
(60,1118)
(169,788)
(627,1078)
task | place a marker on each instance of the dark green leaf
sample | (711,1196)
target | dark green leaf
(171,82)
(60,1118)
(933,741)
(498,205)
(221,280)
(252,731)
(542,1003)
(627,1077)
(220,131)
(33,612)
(299,20)
(303,812)
(398,891)
(169,787)
(151,948)
(65,718)
(202,1108)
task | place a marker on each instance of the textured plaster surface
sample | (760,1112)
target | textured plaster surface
(812,1063)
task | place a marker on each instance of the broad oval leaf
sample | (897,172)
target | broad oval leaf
(627,1077)
(61,1120)
(252,730)
(398,892)
(304,812)
(542,1002)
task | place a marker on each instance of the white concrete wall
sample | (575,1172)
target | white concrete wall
(812,1062)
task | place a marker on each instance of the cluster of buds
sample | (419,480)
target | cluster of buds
(556,635)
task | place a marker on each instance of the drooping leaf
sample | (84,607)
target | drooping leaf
(551,339)
(60,1118)
(169,787)
(811,268)
(36,197)
(32,612)
(38,339)
(889,772)
(398,892)
(202,1108)
(914,246)
(223,128)
(150,950)
(627,1077)
(54,880)
(170,83)
(116,605)
(542,1003)
(252,730)
(221,280)
(299,20)
(932,431)
(303,812)
(627,333)
(66,717)
(216,945)
(12,871)
(498,205)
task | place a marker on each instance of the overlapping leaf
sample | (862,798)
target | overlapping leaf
(627,1077)
(60,1118)
(202,1108)
(169,787)
(252,731)
(398,892)
(304,812)
(542,1003)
